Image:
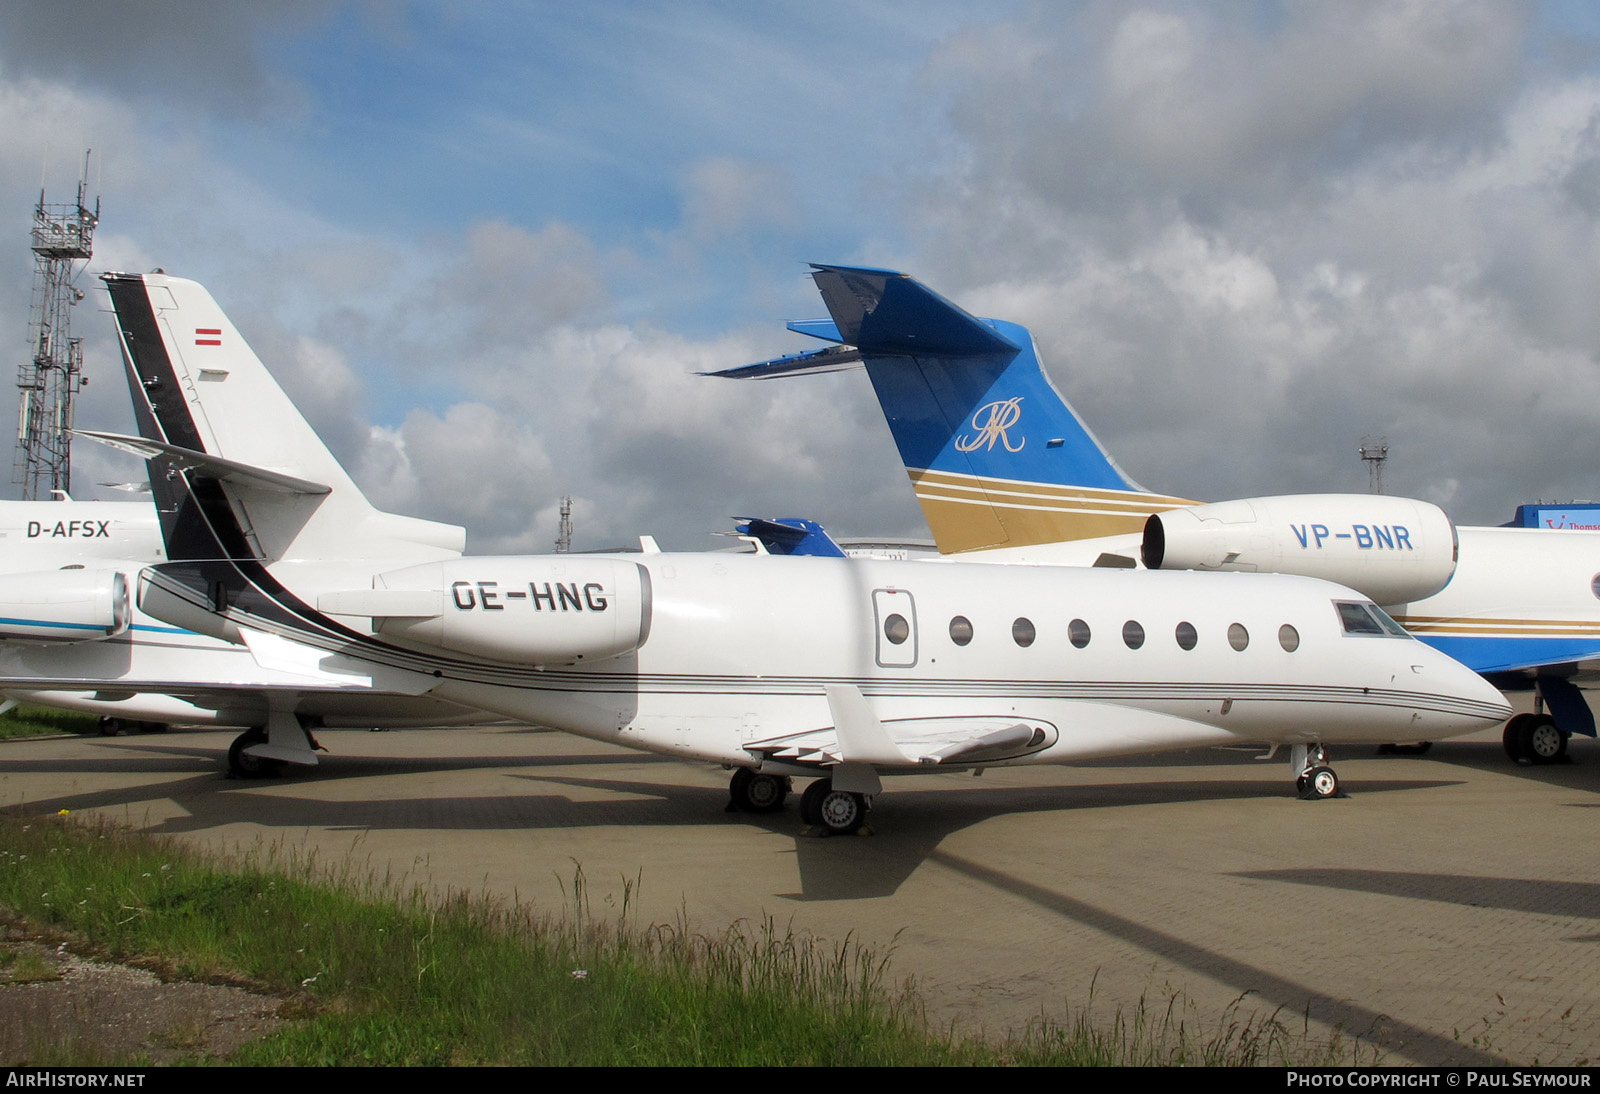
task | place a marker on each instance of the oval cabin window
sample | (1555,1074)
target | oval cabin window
(1022,632)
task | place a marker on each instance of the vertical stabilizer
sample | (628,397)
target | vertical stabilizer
(271,489)
(997,457)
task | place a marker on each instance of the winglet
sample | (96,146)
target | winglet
(863,741)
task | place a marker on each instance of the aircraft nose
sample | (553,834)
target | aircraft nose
(1472,700)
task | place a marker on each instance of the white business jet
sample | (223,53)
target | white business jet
(840,669)
(1006,471)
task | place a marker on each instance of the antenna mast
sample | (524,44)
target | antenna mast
(63,235)
(564,532)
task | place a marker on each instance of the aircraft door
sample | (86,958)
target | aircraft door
(894,614)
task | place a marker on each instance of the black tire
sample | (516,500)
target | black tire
(110,727)
(766,793)
(811,801)
(842,813)
(739,790)
(1321,782)
(1511,737)
(753,792)
(243,766)
(1542,740)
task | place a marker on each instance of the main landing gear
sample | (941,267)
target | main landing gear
(753,792)
(242,765)
(1534,739)
(262,752)
(1314,779)
(833,812)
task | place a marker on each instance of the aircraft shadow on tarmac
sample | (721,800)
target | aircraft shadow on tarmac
(909,824)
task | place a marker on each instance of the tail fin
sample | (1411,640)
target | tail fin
(996,455)
(211,413)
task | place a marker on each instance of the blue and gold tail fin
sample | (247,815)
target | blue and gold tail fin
(997,457)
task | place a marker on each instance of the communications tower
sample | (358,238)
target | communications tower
(63,236)
(1374,452)
(564,529)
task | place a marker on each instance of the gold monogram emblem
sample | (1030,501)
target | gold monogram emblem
(991,422)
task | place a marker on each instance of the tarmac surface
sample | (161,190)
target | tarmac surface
(1448,910)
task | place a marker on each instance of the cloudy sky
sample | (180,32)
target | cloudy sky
(486,246)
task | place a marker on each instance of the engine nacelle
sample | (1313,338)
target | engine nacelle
(551,610)
(58,606)
(1393,550)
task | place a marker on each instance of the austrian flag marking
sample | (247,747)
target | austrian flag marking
(208,336)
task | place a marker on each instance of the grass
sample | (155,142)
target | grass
(380,975)
(31,721)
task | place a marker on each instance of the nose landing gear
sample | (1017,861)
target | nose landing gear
(1314,779)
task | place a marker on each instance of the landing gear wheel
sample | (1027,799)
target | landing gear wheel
(811,801)
(1511,737)
(841,812)
(243,766)
(1319,783)
(753,792)
(110,727)
(1542,741)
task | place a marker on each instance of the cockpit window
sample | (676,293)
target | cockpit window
(1365,618)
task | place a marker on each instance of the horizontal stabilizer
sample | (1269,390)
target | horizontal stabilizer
(832,359)
(883,312)
(791,536)
(187,459)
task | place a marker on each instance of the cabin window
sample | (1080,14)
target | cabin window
(961,630)
(1022,632)
(1078,633)
(896,629)
(1238,637)
(1187,636)
(1594,586)
(1288,638)
(1133,634)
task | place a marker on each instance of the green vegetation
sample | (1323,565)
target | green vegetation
(27,721)
(373,975)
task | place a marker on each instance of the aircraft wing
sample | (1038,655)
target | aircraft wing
(1096,730)
(918,741)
